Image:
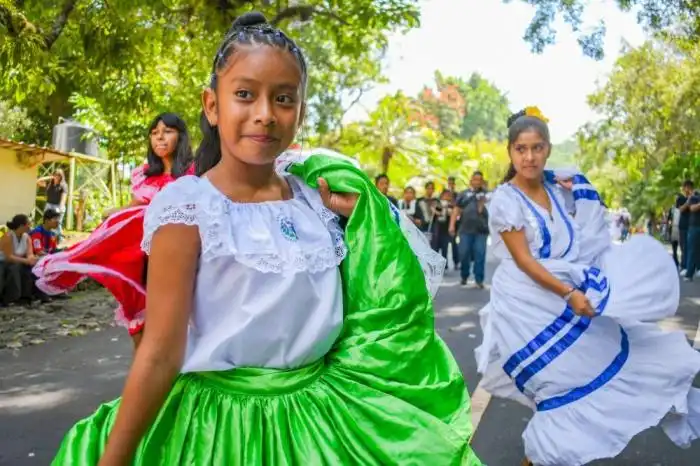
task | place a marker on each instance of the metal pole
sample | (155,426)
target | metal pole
(113,173)
(71,187)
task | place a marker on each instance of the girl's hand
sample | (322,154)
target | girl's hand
(567,184)
(341,203)
(581,305)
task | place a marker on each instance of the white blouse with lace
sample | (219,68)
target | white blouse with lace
(268,290)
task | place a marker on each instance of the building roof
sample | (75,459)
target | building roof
(32,155)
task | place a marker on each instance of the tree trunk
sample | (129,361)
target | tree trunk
(387,154)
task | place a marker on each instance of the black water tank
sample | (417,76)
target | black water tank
(71,136)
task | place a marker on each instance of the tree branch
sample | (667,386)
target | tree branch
(304,13)
(59,23)
(354,102)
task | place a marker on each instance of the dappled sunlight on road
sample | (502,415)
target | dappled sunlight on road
(455,311)
(35,398)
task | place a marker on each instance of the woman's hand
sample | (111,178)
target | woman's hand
(581,305)
(341,203)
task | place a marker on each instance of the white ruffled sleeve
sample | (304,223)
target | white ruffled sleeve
(432,263)
(176,203)
(505,212)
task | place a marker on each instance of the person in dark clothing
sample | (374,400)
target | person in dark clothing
(56,194)
(473,229)
(683,206)
(452,188)
(673,235)
(429,206)
(441,224)
(410,206)
(382,183)
(16,261)
(693,238)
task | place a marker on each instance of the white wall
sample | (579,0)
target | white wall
(17,187)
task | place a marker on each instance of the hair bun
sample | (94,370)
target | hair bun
(252,18)
(515,116)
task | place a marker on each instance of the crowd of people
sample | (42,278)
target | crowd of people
(455,222)
(683,230)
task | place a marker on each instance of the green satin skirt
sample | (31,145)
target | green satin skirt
(389,392)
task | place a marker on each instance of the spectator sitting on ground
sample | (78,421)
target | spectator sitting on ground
(44,238)
(16,261)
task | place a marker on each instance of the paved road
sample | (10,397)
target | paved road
(45,389)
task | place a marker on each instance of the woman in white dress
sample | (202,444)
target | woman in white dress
(566,331)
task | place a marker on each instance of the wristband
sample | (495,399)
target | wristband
(568,294)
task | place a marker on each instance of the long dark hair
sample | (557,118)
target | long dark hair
(247,29)
(519,123)
(17,221)
(182,158)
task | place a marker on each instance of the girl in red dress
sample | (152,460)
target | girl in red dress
(112,254)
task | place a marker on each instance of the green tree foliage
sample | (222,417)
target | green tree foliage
(397,138)
(13,121)
(391,134)
(676,17)
(488,108)
(462,109)
(115,64)
(647,143)
(442,109)
(564,154)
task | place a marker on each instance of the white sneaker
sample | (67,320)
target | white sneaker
(682,272)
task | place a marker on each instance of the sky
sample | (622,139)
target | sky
(459,37)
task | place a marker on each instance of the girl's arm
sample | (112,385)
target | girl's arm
(517,245)
(172,268)
(134,202)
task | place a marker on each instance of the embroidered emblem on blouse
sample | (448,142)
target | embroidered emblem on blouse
(287,228)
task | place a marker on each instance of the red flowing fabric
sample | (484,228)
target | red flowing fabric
(111,255)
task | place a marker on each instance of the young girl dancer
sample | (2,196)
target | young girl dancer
(565,329)
(273,336)
(112,254)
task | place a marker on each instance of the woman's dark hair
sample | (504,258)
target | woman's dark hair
(248,29)
(181,159)
(17,221)
(519,123)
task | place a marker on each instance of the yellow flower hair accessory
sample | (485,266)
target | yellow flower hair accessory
(536,112)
